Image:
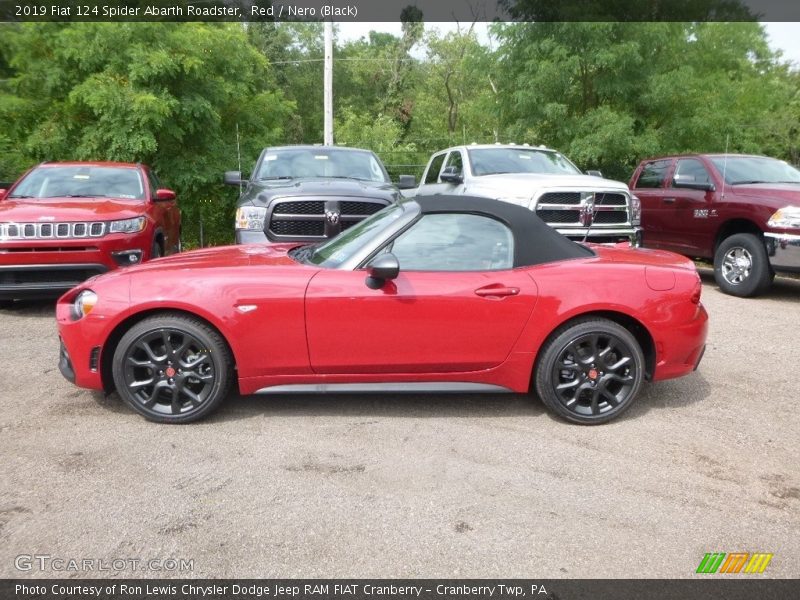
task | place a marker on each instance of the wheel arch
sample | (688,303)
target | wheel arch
(734,226)
(633,325)
(113,339)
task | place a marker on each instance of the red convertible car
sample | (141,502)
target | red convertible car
(442,293)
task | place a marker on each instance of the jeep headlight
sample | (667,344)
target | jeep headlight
(636,211)
(787,217)
(134,225)
(251,218)
(83,304)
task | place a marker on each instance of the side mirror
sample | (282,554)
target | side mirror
(451,175)
(164,194)
(406,182)
(3,193)
(688,182)
(594,173)
(382,269)
(233,178)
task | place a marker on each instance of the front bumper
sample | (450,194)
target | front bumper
(65,363)
(44,280)
(600,235)
(247,236)
(783,250)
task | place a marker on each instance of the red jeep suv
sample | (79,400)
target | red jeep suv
(62,223)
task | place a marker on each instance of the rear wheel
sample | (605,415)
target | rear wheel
(741,267)
(172,368)
(590,371)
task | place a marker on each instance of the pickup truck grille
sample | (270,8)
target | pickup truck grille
(315,220)
(49,231)
(572,208)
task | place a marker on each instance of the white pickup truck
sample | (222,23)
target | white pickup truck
(580,206)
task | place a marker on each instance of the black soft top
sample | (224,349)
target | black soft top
(535,242)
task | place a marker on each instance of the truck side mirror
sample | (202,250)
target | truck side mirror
(406,182)
(451,174)
(233,178)
(688,182)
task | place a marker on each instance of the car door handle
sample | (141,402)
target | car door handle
(496,291)
(669,200)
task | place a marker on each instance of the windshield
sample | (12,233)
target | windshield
(491,161)
(755,169)
(81,181)
(291,163)
(337,250)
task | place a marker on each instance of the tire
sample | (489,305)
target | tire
(590,371)
(741,267)
(155,250)
(172,368)
(6,304)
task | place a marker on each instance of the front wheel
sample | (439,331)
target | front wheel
(172,368)
(741,267)
(590,371)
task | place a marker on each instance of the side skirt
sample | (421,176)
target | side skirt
(410,387)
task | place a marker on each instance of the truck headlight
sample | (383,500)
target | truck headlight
(251,218)
(787,217)
(636,211)
(134,225)
(83,304)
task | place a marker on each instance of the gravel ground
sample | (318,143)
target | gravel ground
(411,486)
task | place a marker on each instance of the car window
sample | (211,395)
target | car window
(653,174)
(455,242)
(691,170)
(432,176)
(454,160)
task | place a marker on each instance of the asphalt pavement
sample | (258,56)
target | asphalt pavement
(408,485)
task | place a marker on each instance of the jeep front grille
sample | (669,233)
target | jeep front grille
(48,231)
(314,219)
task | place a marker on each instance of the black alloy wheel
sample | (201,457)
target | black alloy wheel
(590,371)
(172,368)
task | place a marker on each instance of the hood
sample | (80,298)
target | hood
(30,210)
(623,253)
(539,181)
(222,257)
(264,191)
(789,192)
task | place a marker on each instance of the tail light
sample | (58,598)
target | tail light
(697,291)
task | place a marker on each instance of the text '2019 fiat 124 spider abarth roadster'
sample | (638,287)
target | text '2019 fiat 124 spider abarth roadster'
(442,293)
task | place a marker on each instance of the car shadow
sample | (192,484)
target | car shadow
(30,308)
(784,287)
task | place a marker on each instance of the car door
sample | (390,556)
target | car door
(650,188)
(457,304)
(453,159)
(166,215)
(686,211)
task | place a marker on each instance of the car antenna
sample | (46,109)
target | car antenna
(724,166)
(239,157)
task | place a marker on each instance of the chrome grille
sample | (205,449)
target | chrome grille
(573,208)
(315,219)
(43,231)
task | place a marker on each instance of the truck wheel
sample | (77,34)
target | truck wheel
(741,267)
(590,371)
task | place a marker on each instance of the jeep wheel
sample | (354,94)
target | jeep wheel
(172,368)
(590,371)
(741,267)
(155,251)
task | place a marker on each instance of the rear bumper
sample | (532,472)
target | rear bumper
(783,250)
(680,350)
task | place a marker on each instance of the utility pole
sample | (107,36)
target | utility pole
(328,84)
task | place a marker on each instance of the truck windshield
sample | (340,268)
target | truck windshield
(81,181)
(295,163)
(492,161)
(740,170)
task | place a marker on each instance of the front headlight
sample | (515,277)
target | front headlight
(83,304)
(134,225)
(251,218)
(636,211)
(786,218)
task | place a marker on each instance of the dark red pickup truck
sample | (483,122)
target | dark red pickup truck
(741,211)
(62,223)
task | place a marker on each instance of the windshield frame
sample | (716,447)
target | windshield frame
(20,192)
(532,149)
(401,213)
(328,150)
(722,164)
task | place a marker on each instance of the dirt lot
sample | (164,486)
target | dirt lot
(423,486)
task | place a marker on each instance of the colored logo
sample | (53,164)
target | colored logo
(735,562)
